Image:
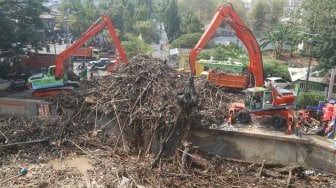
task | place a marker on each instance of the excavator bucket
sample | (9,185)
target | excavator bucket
(188,98)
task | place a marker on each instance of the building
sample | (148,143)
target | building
(316,83)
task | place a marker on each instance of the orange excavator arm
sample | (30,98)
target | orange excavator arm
(90,32)
(228,15)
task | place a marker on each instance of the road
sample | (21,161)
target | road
(160,50)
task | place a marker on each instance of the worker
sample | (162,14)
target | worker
(269,84)
(256,101)
(92,69)
(298,127)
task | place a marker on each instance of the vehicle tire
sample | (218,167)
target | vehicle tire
(243,116)
(277,121)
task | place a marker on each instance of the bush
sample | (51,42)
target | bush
(309,99)
(224,52)
(134,46)
(147,31)
(275,68)
(187,40)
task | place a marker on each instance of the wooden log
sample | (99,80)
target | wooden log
(12,145)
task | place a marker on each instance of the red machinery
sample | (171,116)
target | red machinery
(259,101)
(228,15)
(93,29)
(55,81)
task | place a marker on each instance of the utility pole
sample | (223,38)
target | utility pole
(311,47)
(331,83)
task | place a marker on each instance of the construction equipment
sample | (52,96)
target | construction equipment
(188,98)
(228,15)
(55,81)
(260,101)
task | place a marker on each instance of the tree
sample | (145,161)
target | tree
(203,9)
(135,45)
(19,25)
(128,18)
(147,30)
(239,7)
(319,26)
(169,15)
(80,14)
(276,11)
(187,40)
(141,13)
(277,38)
(20,21)
(258,16)
(191,24)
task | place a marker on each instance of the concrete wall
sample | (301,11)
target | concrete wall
(282,150)
(26,107)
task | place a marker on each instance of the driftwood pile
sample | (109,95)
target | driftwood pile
(118,121)
(140,100)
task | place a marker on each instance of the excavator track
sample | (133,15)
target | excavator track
(52,91)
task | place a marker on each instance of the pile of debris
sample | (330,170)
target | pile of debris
(140,100)
(118,122)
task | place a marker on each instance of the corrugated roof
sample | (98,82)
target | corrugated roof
(301,74)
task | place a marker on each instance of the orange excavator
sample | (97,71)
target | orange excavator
(55,80)
(228,15)
(260,101)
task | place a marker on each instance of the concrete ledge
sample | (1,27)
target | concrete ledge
(283,149)
(25,107)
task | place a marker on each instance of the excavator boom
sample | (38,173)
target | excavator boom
(228,15)
(90,32)
(55,82)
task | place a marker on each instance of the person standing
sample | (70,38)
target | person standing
(298,127)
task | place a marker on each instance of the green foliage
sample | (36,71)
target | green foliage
(141,13)
(191,24)
(276,11)
(168,11)
(259,16)
(19,24)
(186,40)
(5,68)
(224,52)
(281,69)
(134,46)
(81,15)
(203,9)
(277,38)
(128,18)
(309,99)
(319,18)
(19,21)
(147,31)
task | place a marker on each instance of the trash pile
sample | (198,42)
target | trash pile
(130,128)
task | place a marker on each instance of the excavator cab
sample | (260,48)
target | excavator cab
(256,98)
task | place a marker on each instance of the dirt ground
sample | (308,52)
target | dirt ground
(116,129)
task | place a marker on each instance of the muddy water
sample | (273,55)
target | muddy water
(81,163)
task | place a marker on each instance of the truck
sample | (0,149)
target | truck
(227,15)
(56,81)
(85,53)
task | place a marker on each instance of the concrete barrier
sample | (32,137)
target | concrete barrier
(273,149)
(26,107)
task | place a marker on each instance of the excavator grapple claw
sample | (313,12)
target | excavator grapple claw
(188,98)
